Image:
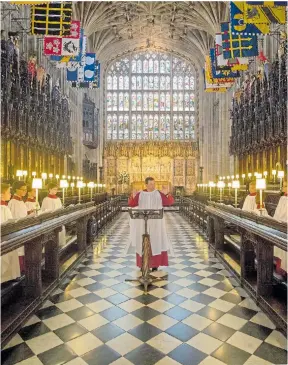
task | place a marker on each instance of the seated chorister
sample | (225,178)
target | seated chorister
(31,200)
(16,204)
(19,210)
(10,268)
(252,203)
(50,203)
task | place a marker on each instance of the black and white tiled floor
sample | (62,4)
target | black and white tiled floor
(198,316)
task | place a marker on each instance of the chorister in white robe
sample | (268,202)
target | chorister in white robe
(10,268)
(160,243)
(18,210)
(250,205)
(30,205)
(281,214)
(51,203)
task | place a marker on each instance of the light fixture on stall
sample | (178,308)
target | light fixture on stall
(63,177)
(19,174)
(81,178)
(220,186)
(255,174)
(232,177)
(73,178)
(261,186)
(63,186)
(249,175)
(228,177)
(33,174)
(265,173)
(274,172)
(237,176)
(220,177)
(50,176)
(79,186)
(57,178)
(281,177)
(91,186)
(37,184)
(236,186)
(44,177)
(229,187)
(72,185)
(211,185)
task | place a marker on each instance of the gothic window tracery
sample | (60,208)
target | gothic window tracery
(150,95)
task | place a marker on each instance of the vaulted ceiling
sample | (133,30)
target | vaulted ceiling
(186,27)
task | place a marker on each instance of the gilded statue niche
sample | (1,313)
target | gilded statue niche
(171,163)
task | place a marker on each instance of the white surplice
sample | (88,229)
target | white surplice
(18,210)
(250,206)
(30,205)
(156,227)
(281,214)
(10,268)
(50,204)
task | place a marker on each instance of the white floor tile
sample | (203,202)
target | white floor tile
(192,305)
(69,305)
(92,322)
(222,305)
(59,321)
(277,339)
(244,342)
(161,305)
(128,322)
(187,293)
(162,322)
(197,322)
(83,344)
(44,342)
(105,293)
(232,321)
(124,343)
(263,320)
(164,342)
(205,343)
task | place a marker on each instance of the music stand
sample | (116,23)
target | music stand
(146,279)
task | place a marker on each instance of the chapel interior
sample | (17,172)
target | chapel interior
(96,96)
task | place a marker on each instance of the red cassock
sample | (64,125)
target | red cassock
(160,259)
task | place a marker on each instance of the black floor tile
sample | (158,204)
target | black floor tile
(210,313)
(217,277)
(48,312)
(71,331)
(80,313)
(102,355)
(16,354)
(62,297)
(219,331)
(34,330)
(271,353)
(242,312)
(255,330)
(178,313)
(175,299)
(95,286)
(145,313)
(232,298)
(57,356)
(231,355)
(198,287)
(203,299)
(88,298)
(107,332)
(182,332)
(99,278)
(145,331)
(194,277)
(113,313)
(148,355)
(224,286)
(146,299)
(117,299)
(187,355)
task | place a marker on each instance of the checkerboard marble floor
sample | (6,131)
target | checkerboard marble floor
(197,316)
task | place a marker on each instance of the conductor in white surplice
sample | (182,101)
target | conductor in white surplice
(150,198)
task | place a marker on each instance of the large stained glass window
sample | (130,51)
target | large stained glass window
(150,95)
